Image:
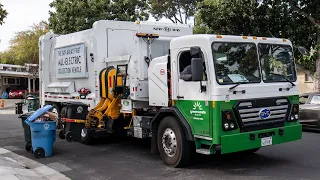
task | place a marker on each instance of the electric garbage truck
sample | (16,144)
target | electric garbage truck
(186,93)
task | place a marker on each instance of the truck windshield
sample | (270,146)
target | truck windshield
(236,63)
(277,63)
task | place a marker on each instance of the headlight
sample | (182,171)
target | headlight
(292,118)
(231,125)
(294,114)
(20,93)
(228,121)
(226,125)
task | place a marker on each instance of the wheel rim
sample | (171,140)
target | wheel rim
(169,142)
(39,153)
(83,133)
(69,136)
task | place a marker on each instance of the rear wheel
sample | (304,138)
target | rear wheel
(174,148)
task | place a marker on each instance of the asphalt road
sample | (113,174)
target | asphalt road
(130,159)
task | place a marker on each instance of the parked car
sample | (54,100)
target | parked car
(310,110)
(17,93)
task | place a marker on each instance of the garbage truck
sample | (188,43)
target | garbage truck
(187,93)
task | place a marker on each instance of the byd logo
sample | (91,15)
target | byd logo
(264,113)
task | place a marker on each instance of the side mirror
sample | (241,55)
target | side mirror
(197,69)
(195,52)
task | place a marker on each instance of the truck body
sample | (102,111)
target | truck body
(241,93)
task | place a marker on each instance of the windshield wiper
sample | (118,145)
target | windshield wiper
(284,77)
(233,87)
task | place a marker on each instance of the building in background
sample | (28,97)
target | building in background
(305,79)
(19,78)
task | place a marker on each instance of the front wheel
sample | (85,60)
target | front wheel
(39,153)
(69,136)
(174,148)
(61,134)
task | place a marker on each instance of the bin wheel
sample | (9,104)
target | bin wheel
(62,135)
(85,136)
(69,136)
(39,153)
(28,147)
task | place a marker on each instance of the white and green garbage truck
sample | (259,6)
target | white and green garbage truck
(240,93)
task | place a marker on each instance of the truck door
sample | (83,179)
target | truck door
(193,104)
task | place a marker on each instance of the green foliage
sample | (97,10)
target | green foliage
(3,14)
(297,20)
(309,62)
(178,11)
(223,16)
(76,15)
(24,46)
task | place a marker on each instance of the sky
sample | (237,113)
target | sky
(22,15)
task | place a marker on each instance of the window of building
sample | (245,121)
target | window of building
(11,81)
(307,78)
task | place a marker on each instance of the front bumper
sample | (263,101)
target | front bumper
(245,141)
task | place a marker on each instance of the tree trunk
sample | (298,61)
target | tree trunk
(317,74)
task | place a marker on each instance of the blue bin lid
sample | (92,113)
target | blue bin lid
(37,114)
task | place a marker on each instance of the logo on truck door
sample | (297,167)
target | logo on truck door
(197,111)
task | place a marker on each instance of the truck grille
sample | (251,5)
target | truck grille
(249,113)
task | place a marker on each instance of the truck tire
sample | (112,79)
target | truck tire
(174,148)
(86,136)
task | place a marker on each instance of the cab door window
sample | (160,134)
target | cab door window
(185,66)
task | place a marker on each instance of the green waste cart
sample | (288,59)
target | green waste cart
(32,103)
(26,130)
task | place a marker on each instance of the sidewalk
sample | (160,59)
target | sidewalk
(12,110)
(16,167)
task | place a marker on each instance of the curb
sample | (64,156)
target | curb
(29,168)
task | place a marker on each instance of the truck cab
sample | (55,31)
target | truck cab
(242,94)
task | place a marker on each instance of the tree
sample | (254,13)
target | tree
(228,16)
(178,11)
(76,15)
(310,11)
(3,14)
(24,46)
(297,20)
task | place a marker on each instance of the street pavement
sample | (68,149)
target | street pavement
(130,159)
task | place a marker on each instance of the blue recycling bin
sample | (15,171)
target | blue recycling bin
(43,136)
